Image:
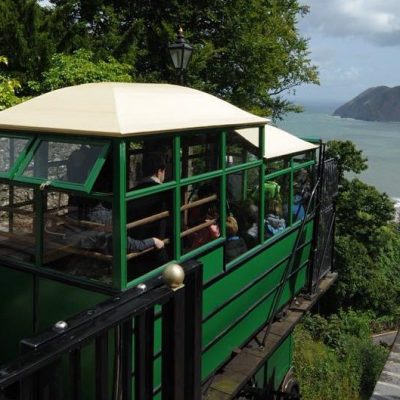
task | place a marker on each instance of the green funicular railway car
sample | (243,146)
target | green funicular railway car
(150,236)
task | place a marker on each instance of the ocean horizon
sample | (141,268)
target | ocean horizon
(379,141)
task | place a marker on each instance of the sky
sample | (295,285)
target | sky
(354,43)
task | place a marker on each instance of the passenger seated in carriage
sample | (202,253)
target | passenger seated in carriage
(96,215)
(205,214)
(234,245)
(302,190)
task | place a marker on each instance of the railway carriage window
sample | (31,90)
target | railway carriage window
(150,233)
(62,164)
(277,203)
(139,153)
(277,165)
(243,205)
(240,150)
(199,154)
(200,214)
(17,235)
(302,187)
(10,150)
(304,157)
(76,243)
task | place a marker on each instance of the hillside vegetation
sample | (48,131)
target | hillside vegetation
(334,355)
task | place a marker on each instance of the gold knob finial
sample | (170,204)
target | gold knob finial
(173,276)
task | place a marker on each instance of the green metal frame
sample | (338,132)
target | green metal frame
(15,166)
(59,184)
(294,167)
(121,195)
(177,183)
(119,275)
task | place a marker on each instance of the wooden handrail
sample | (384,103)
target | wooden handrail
(22,204)
(84,223)
(200,202)
(147,220)
(49,256)
(16,211)
(130,256)
(165,214)
(198,227)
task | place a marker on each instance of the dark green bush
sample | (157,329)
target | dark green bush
(335,358)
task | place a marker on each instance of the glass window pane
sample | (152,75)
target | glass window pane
(200,214)
(104,181)
(277,203)
(302,187)
(78,236)
(242,221)
(150,233)
(304,157)
(10,149)
(71,162)
(239,150)
(199,154)
(17,235)
(149,159)
(277,165)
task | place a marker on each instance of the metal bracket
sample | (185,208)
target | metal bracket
(44,185)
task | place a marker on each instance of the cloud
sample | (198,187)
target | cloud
(377,21)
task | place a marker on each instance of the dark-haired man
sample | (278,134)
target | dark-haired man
(153,167)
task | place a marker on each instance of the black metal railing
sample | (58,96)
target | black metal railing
(109,351)
(289,266)
(325,223)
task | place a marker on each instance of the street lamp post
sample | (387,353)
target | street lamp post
(180,53)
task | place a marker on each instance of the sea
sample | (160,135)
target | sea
(379,141)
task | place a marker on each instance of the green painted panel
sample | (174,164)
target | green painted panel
(59,301)
(213,263)
(157,349)
(215,331)
(157,373)
(241,304)
(294,285)
(233,282)
(16,311)
(223,348)
(278,364)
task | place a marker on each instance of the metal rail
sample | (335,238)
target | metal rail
(289,266)
(116,339)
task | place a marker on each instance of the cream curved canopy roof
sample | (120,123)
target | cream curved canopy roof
(278,142)
(119,109)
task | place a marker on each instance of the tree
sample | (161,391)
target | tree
(248,52)
(25,39)
(367,248)
(334,357)
(8,87)
(348,157)
(362,211)
(79,68)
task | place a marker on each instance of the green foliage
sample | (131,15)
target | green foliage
(320,373)
(347,156)
(368,274)
(79,68)
(25,37)
(335,357)
(367,244)
(248,52)
(362,211)
(8,87)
